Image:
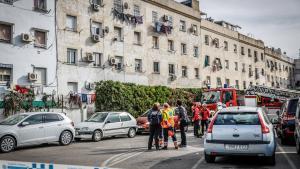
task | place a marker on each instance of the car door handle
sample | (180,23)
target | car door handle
(236,135)
(41,127)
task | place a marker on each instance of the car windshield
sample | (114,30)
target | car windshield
(211,97)
(292,106)
(97,117)
(239,118)
(12,120)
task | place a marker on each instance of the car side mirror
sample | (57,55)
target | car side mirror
(23,124)
(107,122)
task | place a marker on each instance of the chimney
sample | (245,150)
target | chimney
(195,5)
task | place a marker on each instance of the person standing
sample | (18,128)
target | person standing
(183,119)
(168,126)
(154,118)
(205,115)
(196,119)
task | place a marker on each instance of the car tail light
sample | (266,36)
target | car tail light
(72,123)
(264,129)
(211,124)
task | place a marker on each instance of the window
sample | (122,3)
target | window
(208,79)
(73,86)
(96,28)
(5,75)
(136,10)
(5,33)
(244,85)
(51,118)
(207,61)
(41,75)
(216,42)
(40,5)
(262,71)
(236,67)
(255,54)
(171,69)
(262,57)
(170,21)
(97,59)
(118,5)
(242,50)
(137,38)
(206,40)
(249,53)
(219,82)
(184,71)
(235,48)
(243,67)
(196,51)
(71,23)
(118,34)
(227,64)
(227,81)
(155,42)
(225,45)
(182,26)
(183,49)
(194,29)
(125,117)
(154,16)
(119,62)
(170,45)
(138,65)
(197,73)
(156,67)
(237,84)
(40,39)
(34,119)
(113,118)
(71,56)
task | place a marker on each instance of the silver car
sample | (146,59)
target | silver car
(106,124)
(240,131)
(35,128)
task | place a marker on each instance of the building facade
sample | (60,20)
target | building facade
(28,45)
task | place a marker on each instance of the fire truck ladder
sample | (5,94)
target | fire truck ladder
(272,92)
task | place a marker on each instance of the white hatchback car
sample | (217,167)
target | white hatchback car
(35,128)
(106,124)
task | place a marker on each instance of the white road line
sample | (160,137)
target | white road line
(198,163)
(290,152)
(126,158)
(287,158)
(104,164)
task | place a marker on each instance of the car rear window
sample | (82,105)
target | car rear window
(292,106)
(239,118)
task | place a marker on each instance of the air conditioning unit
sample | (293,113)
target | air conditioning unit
(89,57)
(112,61)
(95,7)
(26,37)
(96,38)
(32,76)
(90,86)
(173,77)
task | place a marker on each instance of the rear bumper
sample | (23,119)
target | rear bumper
(84,135)
(255,148)
(142,129)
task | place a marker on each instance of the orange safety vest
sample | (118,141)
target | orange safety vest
(167,118)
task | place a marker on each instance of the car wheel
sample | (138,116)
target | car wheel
(131,132)
(209,158)
(298,145)
(77,139)
(66,138)
(97,135)
(271,160)
(8,144)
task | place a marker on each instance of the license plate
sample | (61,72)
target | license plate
(140,127)
(236,147)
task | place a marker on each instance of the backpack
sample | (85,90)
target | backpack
(183,116)
(154,117)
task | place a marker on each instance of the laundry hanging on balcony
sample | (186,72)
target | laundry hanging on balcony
(161,28)
(128,18)
(217,65)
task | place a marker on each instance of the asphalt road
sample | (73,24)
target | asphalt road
(131,153)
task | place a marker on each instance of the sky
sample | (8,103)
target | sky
(276,22)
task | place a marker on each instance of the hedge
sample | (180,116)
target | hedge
(136,99)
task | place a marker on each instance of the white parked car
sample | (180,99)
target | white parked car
(106,124)
(35,128)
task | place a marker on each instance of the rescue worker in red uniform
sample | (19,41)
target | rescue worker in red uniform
(196,118)
(205,116)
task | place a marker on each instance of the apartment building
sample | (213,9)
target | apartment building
(229,57)
(28,46)
(139,41)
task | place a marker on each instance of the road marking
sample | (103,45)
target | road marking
(286,152)
(126,158)
(287,158)
(104,164)
(198,163)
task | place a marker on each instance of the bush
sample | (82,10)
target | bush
(136,99)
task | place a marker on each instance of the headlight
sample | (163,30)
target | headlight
(147,123)
(84,128)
